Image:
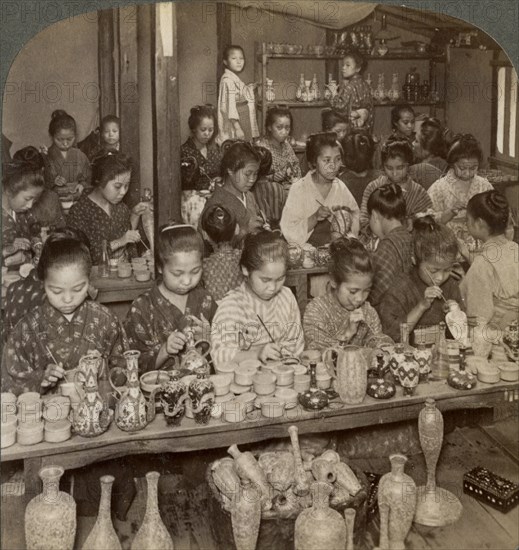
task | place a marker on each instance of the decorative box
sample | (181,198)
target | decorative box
(496,491)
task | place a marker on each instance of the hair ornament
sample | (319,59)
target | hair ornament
(219,213)
(174,225)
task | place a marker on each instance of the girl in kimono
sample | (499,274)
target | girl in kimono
(332,121)
(236,105)
(451,193)
(239,169)
(260,319)
(102,214)
(52,337)
(491,287)
(177,302)
(23,185)
(342,314)
(317,197)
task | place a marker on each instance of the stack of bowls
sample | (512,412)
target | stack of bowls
(243,376)
(222,392)
(9,419)
(57,426)
(30,424)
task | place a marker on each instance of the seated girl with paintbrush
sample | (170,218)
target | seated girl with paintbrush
(260,319)
(419,297)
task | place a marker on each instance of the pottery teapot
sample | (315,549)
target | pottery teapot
(195,355)
(132,412)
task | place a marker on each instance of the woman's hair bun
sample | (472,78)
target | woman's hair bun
(58,113)
(28,157)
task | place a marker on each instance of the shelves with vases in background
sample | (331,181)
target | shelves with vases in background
(295,103)
(422,102)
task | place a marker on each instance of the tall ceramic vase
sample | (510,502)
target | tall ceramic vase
(152,533)
(103,535)
(320,526)
(397,497)
(50,517)
(246,517)
(435,506)
(351,373)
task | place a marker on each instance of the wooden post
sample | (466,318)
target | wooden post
(166,135)
(106,63)
(129,93)
(223,35)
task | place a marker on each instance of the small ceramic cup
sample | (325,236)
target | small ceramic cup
(226,368)
(124,270)
(56,432)
(324,381)
(244,373)
(301,383)
(284,375)
(142,275)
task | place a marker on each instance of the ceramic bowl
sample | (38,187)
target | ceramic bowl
(288,396)
(124,271)
(234,411)
(264,383)
(30,434)
(221,383)
(57,407)
(56,432)
(238,389)
(509,371)
(226,368)
(244,373)
(284,375)
(273,408)
(248,399)
(310,355)
(142,275)
(301,383)
(489,374)
(153,379)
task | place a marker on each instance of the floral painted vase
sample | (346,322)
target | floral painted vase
(378,386)
(397,357)
(423,356)
(172,396)
(461,379)
(201,394)
(409,373)
(50,517)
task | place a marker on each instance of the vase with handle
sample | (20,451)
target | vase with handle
(152,533)
(435,506)
(103,535)
(397,491)
(351,373)
(50,517)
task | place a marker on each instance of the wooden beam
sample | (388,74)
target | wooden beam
(106,63)
(223,35)
(165,107)
(129,93)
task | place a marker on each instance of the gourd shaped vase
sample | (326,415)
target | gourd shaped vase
(320,526)
(351,373)
(152,534)
(133,412)
(173,395)
(50,517)
(397,504)
(92,415)
(246,517)
(201,394)
(103,535)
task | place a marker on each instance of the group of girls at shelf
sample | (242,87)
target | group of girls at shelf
(400,249)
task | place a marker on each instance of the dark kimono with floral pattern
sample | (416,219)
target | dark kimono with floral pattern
(152,318)
(25,356)
(209,165)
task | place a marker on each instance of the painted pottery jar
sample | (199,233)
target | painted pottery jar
(351,373)
(172,396)
(195,356)
(409,373)
(397,357)
(133,412)
(152,533)
(50,517)
(379,387)
(201,394)
(320,526)
(313,399)
(397,504)
(423,356)
(461,379)
(92,416)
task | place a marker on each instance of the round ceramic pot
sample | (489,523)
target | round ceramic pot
(30,434)
(124,270)
(273,408)
(56,432)
(288,396)
(222,383)
(244,373)
(57,408)
(301,382)
(264,383)
(509,371)
(284,375)
(248,399)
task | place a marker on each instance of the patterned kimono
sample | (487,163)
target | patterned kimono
(222,271)
(354,94)
(25,357)
(325,317)
(236,326)
(285,163)
(152,318)
(74,167)
(16,225)
(450,192)
(491,291)
(235,102)
(90,218)
(210,165)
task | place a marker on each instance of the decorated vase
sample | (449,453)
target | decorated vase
(409,373)
(423,356)
(172,396)
(201,394)
(351,378)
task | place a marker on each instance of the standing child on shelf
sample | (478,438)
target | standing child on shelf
(343,315)
(279,126)
(451,193)
(491,287)
(418,298)
(236,103)
(22,186)
(102,215)
(65,327)
(397,156)
(239,170)
(393,256)
(332,121)
(315,198)
(261,301)
(157,318)
(353,99)
(222,268)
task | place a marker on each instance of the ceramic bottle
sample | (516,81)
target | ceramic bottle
(320,526)
(103,535)
(423,356)
(246,517)
(314,398)
(397,497)
(302,486)
(349,517)
(201,394)
(50,517)
(300,88)
(457,322)
(152,534)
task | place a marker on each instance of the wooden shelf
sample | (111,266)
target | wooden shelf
(405,56)
(294,103)
(426,102)
(300,56)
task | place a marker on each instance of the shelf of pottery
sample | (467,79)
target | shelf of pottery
(418,81)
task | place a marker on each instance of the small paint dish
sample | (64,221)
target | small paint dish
(56,432)
(226,368)
(30,434)
(142,275)
(153,380)
(221,383)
